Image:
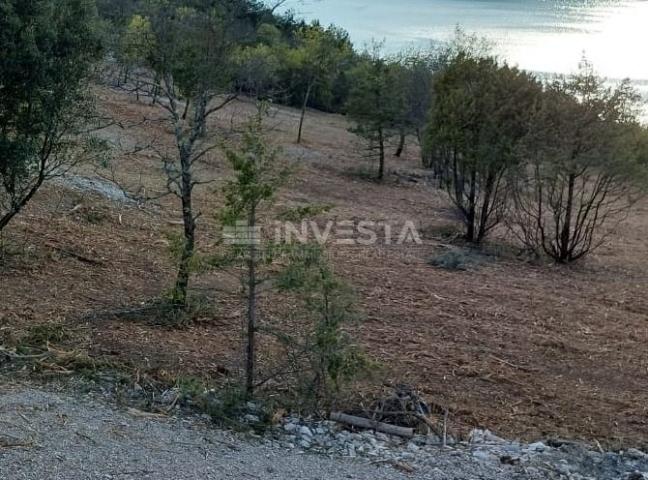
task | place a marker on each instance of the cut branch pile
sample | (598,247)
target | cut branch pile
(402,413)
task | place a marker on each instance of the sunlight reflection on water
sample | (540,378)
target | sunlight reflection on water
(544,36)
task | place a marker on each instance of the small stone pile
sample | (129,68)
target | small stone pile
(483,450)
(332,438)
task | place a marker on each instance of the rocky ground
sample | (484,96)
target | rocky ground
(53,433)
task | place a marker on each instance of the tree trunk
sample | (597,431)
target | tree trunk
(251,311)
(401,144)
(425,156)
(381,147)
(486,208)
(156,88)
(565,235)
(189,222)
(20,204)
(303,111)
(472,208)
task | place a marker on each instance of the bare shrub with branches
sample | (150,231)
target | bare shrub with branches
(583,173)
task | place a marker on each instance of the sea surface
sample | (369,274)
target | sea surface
(544,36)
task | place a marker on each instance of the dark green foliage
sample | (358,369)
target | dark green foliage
(324,356)
(186,54)
(259,173)
(314,63)
(47,51)
(480,114)
(375,103)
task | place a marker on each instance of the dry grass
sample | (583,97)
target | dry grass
(527,350)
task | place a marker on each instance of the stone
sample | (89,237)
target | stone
(304,431)
(636,476)
(290,427)
(351,451)
(482,456)
(304,443)
(508,460)
(484,436)
(412,447)
(635,454)
(536,447)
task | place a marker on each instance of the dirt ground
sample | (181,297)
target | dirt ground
(529,350)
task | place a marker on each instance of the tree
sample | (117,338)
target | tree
(415,88)
(135,45)
(47,52)
(259,173)
(374,103)
(191,59)
(258,65)
(480,114)
(316,61)
(584,172)
(323,355)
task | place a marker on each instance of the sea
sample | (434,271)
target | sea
(544,36)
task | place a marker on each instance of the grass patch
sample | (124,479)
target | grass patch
(458,260)
(365,173)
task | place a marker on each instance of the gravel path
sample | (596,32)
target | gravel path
(70,438)
(50,434)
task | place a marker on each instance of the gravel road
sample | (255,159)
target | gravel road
(47,434)
(55,433)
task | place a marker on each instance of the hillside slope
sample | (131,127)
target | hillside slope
(527,350)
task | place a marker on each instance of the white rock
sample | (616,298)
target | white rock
(484,436)
(304,443)
(382,437)
(351,450)
(412,447)
(290,427)
(636,454)
(536,447)
(304,431)
(482,455)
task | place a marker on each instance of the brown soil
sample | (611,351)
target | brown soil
(529,350)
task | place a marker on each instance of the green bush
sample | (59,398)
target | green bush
(457,260)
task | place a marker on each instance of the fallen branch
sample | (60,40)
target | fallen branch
(80,257)
(16,356)
(6,442)
(512,365)
(372,425)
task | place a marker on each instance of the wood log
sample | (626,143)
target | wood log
(372,425)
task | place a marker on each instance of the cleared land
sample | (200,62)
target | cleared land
(527,350)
